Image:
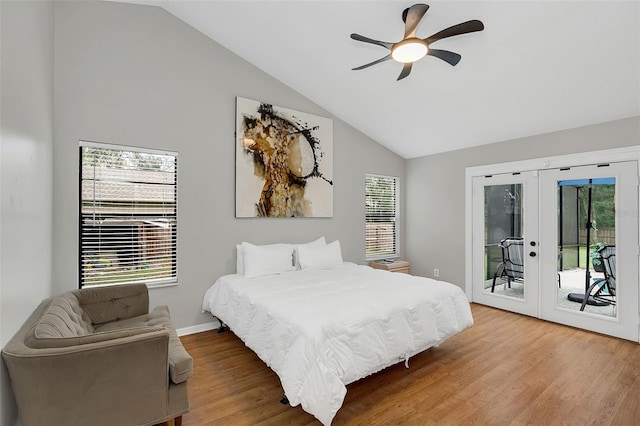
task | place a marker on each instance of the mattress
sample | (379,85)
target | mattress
(320,330)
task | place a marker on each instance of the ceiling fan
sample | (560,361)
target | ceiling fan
(411,48)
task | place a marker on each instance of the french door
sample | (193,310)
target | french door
(586,211)
(505,241)
(546,241)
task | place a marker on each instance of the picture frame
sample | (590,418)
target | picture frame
(284,162)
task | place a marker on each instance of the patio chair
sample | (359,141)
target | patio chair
(604,289)
(512,266)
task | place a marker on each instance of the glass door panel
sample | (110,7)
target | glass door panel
(505,241)
(589,270)
(586,245)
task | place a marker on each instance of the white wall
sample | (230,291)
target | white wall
(435,193)
(26,121)
(136,75)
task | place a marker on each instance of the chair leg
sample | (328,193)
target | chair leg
(587,294)
(493,285)
(177,421)
(495,276)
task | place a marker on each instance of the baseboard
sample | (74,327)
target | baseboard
(198,328)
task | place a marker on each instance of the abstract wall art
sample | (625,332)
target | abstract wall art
(284,162)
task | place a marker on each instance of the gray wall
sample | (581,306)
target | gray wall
(136,75)
(26,70)
(435,192)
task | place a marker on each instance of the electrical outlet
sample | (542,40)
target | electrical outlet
(436,273)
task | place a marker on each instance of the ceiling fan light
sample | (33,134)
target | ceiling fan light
(409,50)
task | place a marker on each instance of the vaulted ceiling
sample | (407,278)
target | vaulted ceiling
(538,67)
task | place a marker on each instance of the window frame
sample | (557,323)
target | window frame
(396,220)
(171,280)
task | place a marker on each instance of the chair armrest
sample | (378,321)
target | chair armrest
(118,381)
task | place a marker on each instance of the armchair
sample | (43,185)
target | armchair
(97,356)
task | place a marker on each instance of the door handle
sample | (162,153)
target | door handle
(532,253)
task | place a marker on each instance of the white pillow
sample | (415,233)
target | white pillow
(267,260)
(239,259)
(320,242)
(320,257)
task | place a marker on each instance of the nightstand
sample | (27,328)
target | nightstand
(397,266)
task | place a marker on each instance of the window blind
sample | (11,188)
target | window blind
(128,215)
(381,217)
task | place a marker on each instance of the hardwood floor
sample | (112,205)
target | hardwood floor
(506,369)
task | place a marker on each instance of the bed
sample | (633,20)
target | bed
(320,329)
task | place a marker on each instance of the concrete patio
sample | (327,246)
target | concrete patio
(572,281)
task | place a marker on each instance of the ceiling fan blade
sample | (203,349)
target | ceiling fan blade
(463,28)
(412,17)
(372,63)
(384,44)
(405,71)
(451,58)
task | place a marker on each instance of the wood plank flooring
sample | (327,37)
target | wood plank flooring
(507,369)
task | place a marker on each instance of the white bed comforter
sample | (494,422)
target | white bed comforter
(320,330)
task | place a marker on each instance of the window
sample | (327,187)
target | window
(381,217)
(128,215)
